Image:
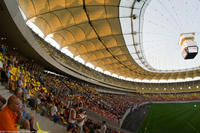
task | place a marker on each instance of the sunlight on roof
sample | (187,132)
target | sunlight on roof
(171,80)
(163,81)
(67,52)
(99,69)
(159,32)
(188,79)
(145,80)
(49,36)
(107,72)
(137,80)
(79,59)
(35,28)
(115,75)
(179,80)
(153,81)
(197,78)
(90,65)
(122,77)
(51,41)
(22,13)
(129,79)
(166,81)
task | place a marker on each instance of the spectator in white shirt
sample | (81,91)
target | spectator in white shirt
(54,114)
(103,127)
(82,120)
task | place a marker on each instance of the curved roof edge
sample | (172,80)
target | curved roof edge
(28,36)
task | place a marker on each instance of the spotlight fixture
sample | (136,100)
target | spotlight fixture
(134,17)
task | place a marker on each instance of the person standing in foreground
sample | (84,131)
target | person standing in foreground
(82,120)
(10,115)
(103,127)
(73,116)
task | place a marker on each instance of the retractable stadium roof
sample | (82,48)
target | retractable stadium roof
(94,31)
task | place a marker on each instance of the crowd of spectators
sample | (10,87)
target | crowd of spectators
(65,60)
(55,96)
(61,98)
(174,96)
(59,56)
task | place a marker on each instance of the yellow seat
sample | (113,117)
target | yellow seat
(39,130)
(18,126)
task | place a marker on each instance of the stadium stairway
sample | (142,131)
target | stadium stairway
(134,119)
(44,122)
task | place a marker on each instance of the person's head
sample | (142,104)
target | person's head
(81,111)
(21,77)
(76,107)
(18,92)
(103,122)
(13,103)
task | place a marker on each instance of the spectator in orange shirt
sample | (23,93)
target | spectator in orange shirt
(9,115)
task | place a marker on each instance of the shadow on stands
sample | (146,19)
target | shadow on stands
(134,119)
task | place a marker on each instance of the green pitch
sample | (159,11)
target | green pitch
(172,118)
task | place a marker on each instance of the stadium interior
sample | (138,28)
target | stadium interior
(99,66)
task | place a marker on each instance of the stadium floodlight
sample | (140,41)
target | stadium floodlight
(134,16)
